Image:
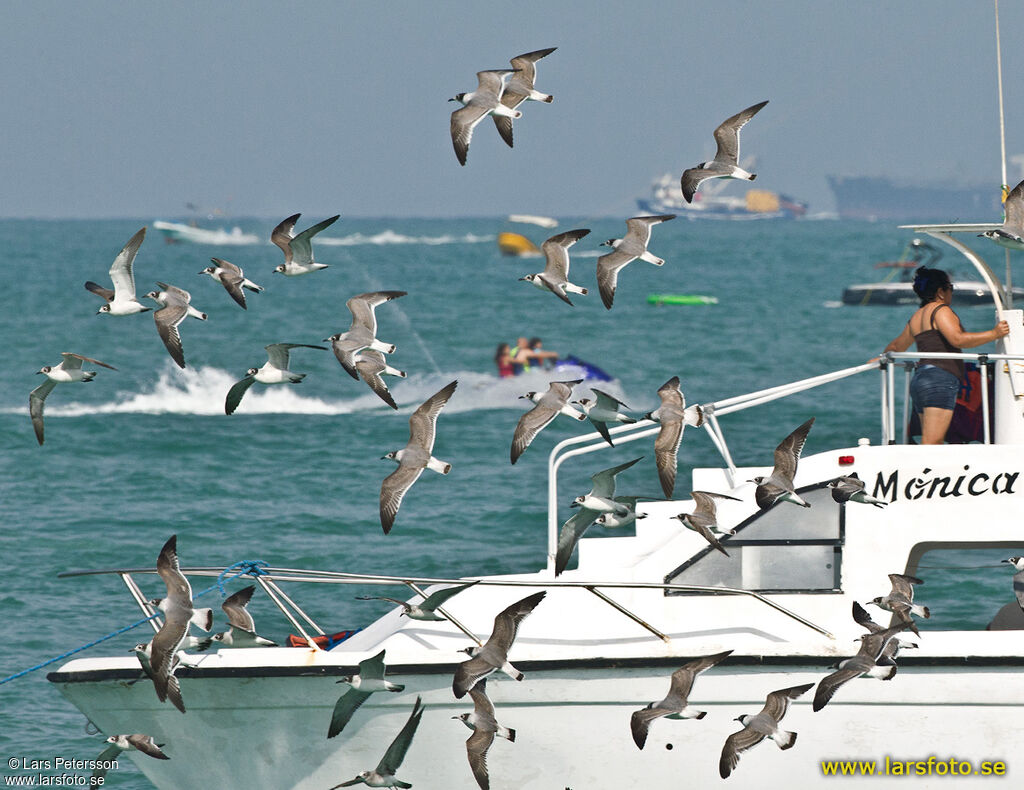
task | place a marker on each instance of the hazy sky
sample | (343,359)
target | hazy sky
(265,109)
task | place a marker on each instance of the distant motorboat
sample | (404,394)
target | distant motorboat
(180,231)
(516,244)
(709,203)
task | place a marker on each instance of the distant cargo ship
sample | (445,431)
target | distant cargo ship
(865,197)
(667,198)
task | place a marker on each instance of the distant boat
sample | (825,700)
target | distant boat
(516,244)
(864,197)
(179,231)
(709,203)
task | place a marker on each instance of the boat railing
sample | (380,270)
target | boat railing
(268,579)
(886,364)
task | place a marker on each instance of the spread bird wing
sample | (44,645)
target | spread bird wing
(787,454)
(477,745)
(121,270)
(604,481)
(363,306)
(36,399)
(393,757)
(282,235)
(735,745)
(302,244)
(666,449)
(370,372)
(727,135)
(423,422)
(167,320)
(74,361)
(572,531)
(904,585)
(236,393)
(346,706)
(506,622)
(608,267)
(778,701)
(393,489)
(438,597)
(464,120)
(529,425)
(556,252)
(1014,208)
(234,607)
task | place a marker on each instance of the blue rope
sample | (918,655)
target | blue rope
(252,567)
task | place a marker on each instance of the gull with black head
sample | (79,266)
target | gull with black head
(369,680)
(477,105)
(626,250)
(121,300)
(760,726)
(555,277)
(123,743)
(703,520)
(726,161)
(778,486)
(548,405)
(362,332)
(233,279)
(485,727)
(427,608)
(384,774)
(177,616)
(604,409)
(520,88)
(69,370)
(274,371)
(298,249)
(175,307)
(674,416)
(241,626)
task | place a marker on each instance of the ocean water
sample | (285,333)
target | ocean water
(293,477)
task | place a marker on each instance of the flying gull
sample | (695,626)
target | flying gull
(703,519)
(369,680)
(494,653)
(893,646)
(626,250)
(298,250)
(177,615)
(555,277)
(600,500)
(602,410)
(415,456)
(174,308)
(763,725)
(121,300)
(384,774)
(233,279)
(778,486)
(616,520)
(425,610)
(548,405)
(900,600)
(726,161)
(274,371)
(123,743)
(70,369)
(484,726)
(870,660)
(676,704)
(362,332)
(520,88)
(241,627)
(1011,233)
(477,105)
(850,488)
(674,417)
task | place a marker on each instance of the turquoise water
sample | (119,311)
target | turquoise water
(293,477)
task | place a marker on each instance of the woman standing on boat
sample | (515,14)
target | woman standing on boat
(936,328)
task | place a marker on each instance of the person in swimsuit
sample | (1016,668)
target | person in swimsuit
(936,328)
(504,361)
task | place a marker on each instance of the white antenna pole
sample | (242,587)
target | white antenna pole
(1002,145)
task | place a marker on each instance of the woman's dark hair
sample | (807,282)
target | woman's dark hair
(503,348)
(928,282)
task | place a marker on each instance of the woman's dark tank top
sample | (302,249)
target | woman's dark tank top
(934,341)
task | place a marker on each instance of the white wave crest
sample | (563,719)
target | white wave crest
(390,237)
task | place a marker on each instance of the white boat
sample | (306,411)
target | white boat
(711,203)
(609,633)
(180,231)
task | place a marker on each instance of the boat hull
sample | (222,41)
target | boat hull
(964,294)
(572,721)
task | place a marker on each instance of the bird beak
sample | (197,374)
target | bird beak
(575,504)
(202,272)
(521,279)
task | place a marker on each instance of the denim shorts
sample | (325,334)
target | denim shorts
(934,387)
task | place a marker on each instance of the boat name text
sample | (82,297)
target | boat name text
(927,485)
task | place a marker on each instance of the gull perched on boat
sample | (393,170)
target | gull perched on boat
(703,519)
(674,417)
(850,488)
(174,308)
(123,743)
(233,279)
(1011,233)
(870,660)
(760,726)
(601,499)
(177,616)
(427,609)
(548,405)
(477,105)
(520,88)
(484,726)
(274,371)
(676,703)
(241,627)
(121,300)
(900,600)
(298,249)
(384,774)
(415,456)
(555,277)
(371,365)
(726,161)
(494,654)
(362,332)
(69,369)
(369,680)
(1018,578)
(602,410)
(778,486)
(626,250)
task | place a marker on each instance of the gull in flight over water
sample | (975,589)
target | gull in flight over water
(362,332)
(726,161)
(548,405)
(274,371)
(174,308)
(626,250)
(121,300)
(778,486)
(602,410)
(427,608)
(674,417)
(555,277)
(384,774)
(70,369)
(520,88)
(298,249)
(416,456)
(477,105)
(233,279)
(1011,233)
(177,616)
